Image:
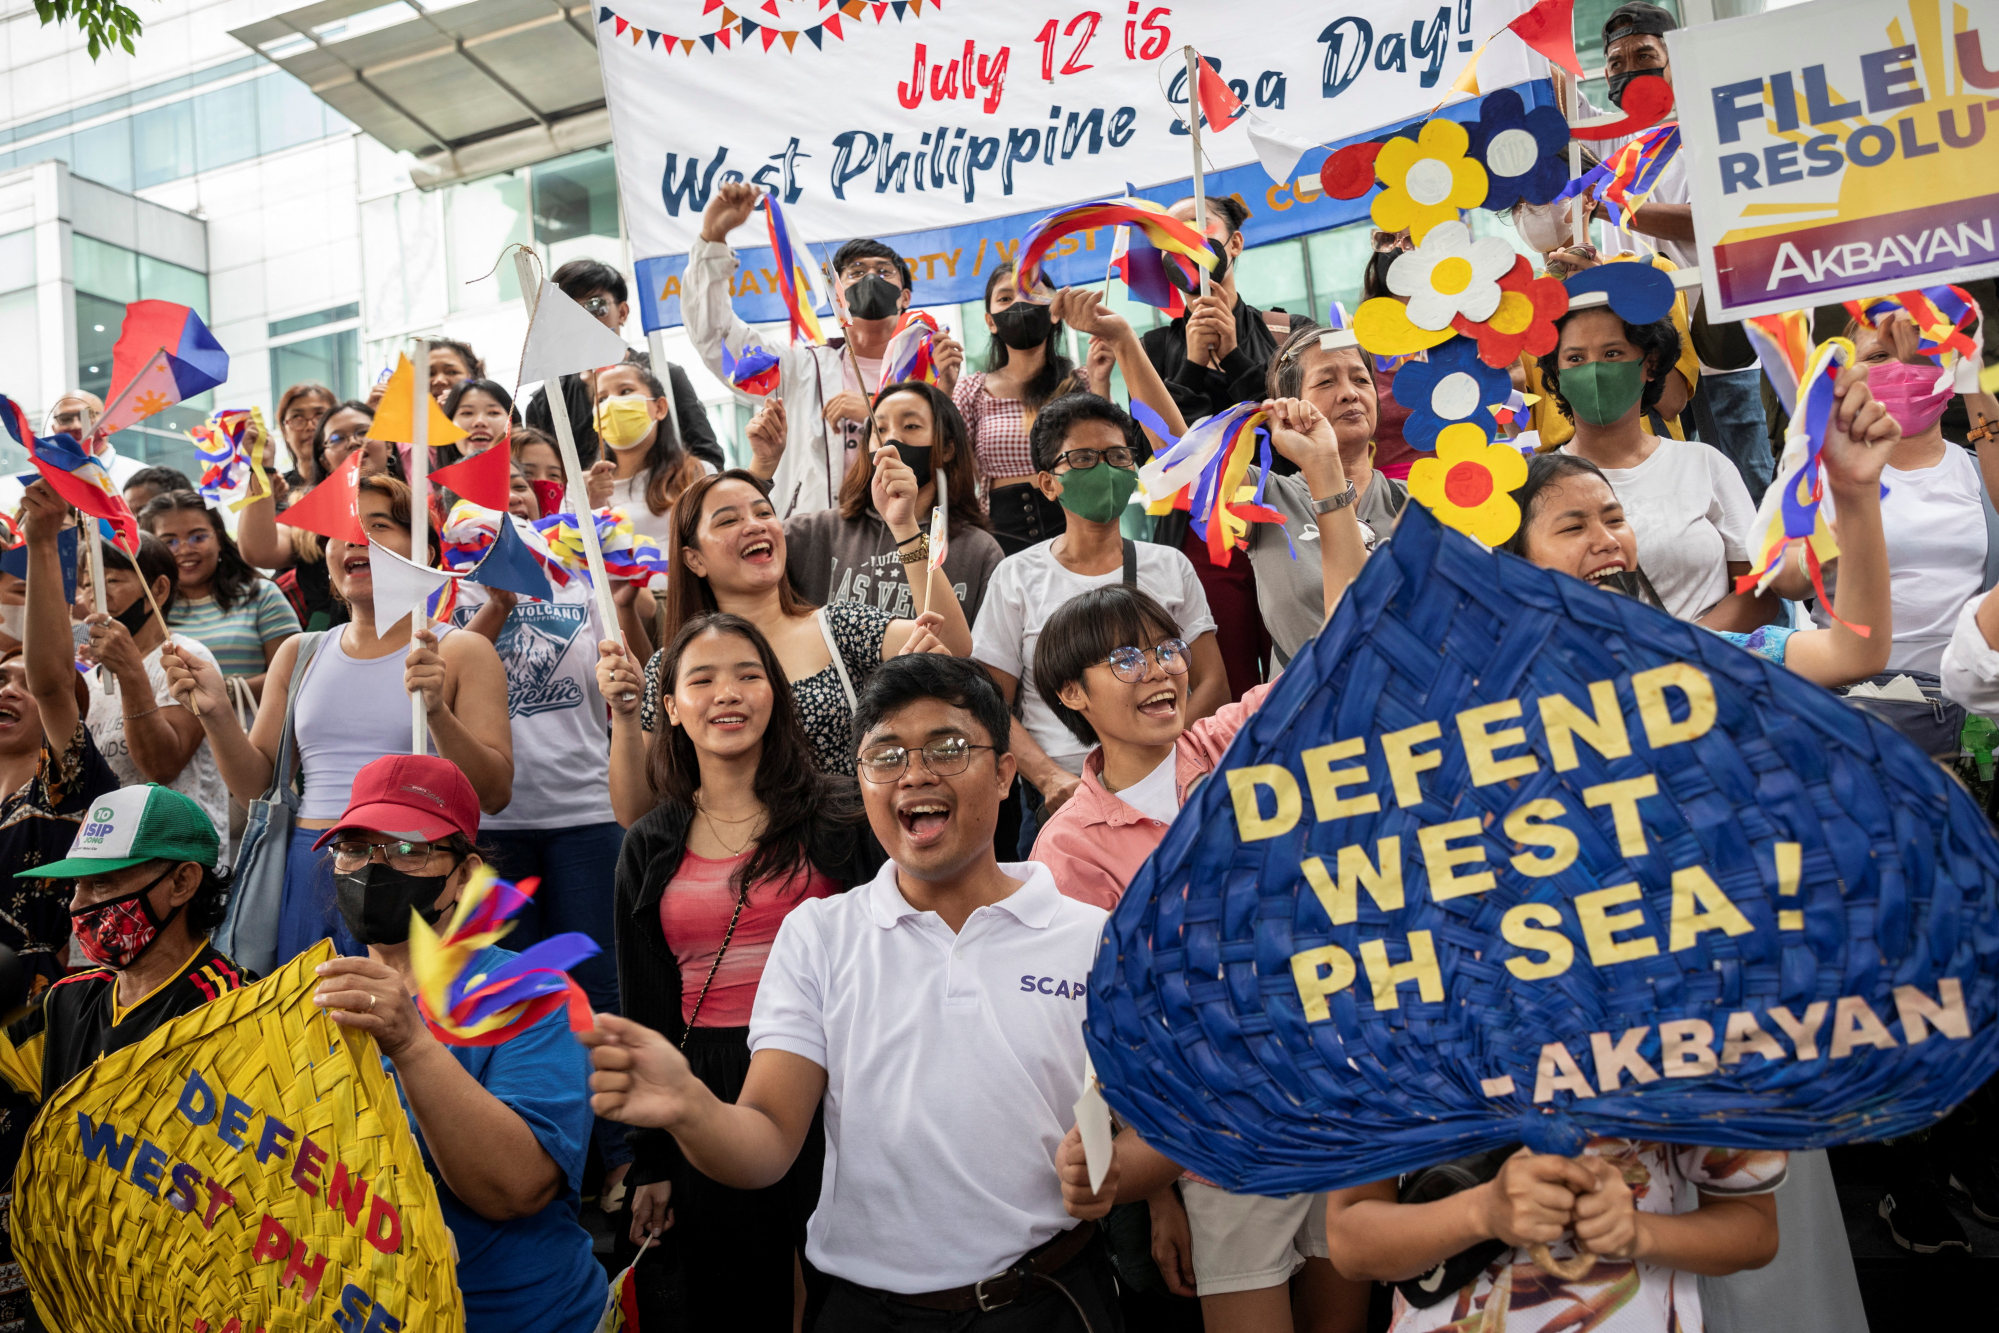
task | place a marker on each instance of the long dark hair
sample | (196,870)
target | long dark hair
(446,455)
(669,468)
(688,596)
(234,579)
(1543,471)
(794,793)
(961,474)
(395,455)
(1058,373)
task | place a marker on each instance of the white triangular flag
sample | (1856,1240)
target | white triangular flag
(1279,150)
(1093,1118)
(400,587)
(564,339)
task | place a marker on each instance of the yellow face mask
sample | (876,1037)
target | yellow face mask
(624,422)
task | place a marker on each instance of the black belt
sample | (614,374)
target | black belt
(1002,1289)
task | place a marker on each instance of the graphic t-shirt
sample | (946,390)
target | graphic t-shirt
(1513,1294)
(833,559)
(562,763)
(199,778)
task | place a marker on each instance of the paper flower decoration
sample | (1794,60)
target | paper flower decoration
(1382,326)
(1524,321)
(1452,386)
(1426,180)
(1466,485)
(1520,149)
(1449,274)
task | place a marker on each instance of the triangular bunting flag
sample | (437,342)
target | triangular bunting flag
(1277,149)
(747,29)
(653,38)
(564,339)
(604,14)
(710,6)
(790,40)
(1550,28)
(770,8)
(916,6)
(879,11)
(724,36)
(901,7)
(621,26)
(818,42)
(1467,80)
(769,35)
(486,478)
(401,586)
(728,16)
(395,418)
(637,34)
(510,565)
(687,45)
(832,25)
(329,508)
(708,40)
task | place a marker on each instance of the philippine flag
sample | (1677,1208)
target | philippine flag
(164,355)
(77,477)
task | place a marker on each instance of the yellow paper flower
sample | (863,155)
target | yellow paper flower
(1467,484)
(1426,180)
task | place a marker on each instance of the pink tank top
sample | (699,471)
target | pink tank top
(694,913)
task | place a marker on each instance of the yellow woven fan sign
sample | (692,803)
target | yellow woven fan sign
(245,1167)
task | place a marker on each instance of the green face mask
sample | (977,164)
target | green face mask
(1099,493)
(1601,392)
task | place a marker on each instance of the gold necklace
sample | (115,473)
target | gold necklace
(714,827)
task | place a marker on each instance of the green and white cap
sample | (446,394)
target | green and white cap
(134,825)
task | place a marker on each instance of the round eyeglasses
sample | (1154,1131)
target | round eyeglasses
(1128,663)
(944,758)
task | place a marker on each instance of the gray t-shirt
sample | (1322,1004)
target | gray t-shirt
(834,559)
(1291,593)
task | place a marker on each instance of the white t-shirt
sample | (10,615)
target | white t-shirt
(199,778)
(953,1063)
(1934,523)
(562,758)
(1157,794)
(1692,515)
(1027,588)
(629,495)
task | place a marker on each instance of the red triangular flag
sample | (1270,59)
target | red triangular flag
(620,24)
(331,508)
(722,35)
(1550,28)
(769,35)
(486,478)
(1222,107)
(832,25)
(770,7)
(711,6)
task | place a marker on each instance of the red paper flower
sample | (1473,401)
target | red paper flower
(1525,320)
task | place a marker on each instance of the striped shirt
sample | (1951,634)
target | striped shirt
(237,637)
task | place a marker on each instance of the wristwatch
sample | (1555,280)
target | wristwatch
(1334,503)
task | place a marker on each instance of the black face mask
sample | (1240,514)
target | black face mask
(1378,267)
(1620,81)
(1215,274)
(1023,325)
(133,617)
(376,900)
(873,297)
(918,458)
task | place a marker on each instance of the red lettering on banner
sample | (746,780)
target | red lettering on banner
(965,77)
(346,1193)
(273,1241)
(308,1275)
(387,1239)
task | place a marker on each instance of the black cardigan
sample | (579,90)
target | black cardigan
(649,980)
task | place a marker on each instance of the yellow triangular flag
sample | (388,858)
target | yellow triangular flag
(395,422)
(1467,80)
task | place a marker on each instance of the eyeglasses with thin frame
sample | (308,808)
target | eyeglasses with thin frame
(195,540)
(351,440)
(1128,663)
(945,758)
(880,268)
(411,858)
(1082,460)
(305,416)
(599,306)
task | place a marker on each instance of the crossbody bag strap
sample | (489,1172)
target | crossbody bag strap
(839,663)
(284,772)
(742,900)
(1130,563)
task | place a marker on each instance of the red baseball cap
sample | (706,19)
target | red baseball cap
(415,796)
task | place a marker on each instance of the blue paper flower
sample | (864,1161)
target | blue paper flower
(1521,150)
(1452,386)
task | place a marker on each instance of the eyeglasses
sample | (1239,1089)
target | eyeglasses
(193,541)
(409,857)
(1128,663)
(599,306)
(880,268)
(352,440)
(1082,460)
(945,758)
(305,417)
(1388,242)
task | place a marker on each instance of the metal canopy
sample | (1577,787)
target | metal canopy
(511,80)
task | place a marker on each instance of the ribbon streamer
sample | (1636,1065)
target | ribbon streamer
(1161,230)
(464,1007)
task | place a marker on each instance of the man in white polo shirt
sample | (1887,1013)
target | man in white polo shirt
(938,1009)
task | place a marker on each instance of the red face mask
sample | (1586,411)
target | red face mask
(548,494)
(115,932)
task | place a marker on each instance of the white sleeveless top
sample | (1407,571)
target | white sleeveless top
(351,711)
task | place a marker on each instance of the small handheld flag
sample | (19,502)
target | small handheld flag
(164,355)
(484,478)
(755,372)
(76,476)
(1220,105)
(395,416)
(911,351)
(332,508)
(464,1007)
(804,323)
(1160,229)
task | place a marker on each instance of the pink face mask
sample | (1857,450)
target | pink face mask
(1915,395)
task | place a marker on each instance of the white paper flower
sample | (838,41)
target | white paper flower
(1450,274)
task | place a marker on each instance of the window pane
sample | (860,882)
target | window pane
(161,281)
(1339,260)
(103,154)
(481,219)
(576,207)
(1272,277)
(278,328)
(288,114)
(333,359)
(225,126)
(163,144)
(20,351)
(97,323)
(107,271)
(17,269)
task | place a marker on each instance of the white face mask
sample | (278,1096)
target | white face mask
(1541,226)
(14,622)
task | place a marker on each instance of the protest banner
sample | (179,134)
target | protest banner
(1839,149)
(1504,858)
(248,1166)
(946,130)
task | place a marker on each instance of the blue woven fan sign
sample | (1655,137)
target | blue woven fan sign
(1507,858)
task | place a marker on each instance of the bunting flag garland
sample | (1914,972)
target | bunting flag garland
(1789,515)
(76,476)
(1628,177)
(1161,230)
(804,323)
(466,1007)
(911,351)
(164,355)
(754,372)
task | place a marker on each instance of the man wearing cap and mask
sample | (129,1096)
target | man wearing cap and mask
(145,896)
(827,391)
(1728,403)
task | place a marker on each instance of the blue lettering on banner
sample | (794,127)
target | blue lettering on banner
(952,263)
(1061,989)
